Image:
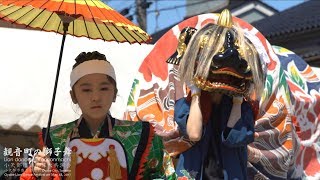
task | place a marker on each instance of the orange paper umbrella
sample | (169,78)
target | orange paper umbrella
(81,18)
(87,18)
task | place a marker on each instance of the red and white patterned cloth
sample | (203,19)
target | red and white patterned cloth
(287,119)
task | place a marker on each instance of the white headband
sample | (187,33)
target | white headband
(91,67)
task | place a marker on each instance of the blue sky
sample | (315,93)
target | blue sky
(172,11)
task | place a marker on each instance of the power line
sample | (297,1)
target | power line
(133,5)
(179,6)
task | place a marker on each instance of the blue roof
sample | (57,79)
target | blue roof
(302,18)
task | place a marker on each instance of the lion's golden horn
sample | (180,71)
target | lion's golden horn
(225,19)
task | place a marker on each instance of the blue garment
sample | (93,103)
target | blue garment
(214,155)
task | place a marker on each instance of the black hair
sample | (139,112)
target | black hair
(87,56)
(95,55)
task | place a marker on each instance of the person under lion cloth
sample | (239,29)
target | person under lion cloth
(220,122)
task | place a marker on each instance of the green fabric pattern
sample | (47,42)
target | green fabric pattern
(128,133)
(132,92)
(59,135)
(154,168)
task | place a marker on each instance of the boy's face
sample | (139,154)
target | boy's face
(94,94)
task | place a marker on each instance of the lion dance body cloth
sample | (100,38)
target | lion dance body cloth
(287,130)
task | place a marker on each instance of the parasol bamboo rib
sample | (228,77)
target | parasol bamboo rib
(110,31)
(94,20)
(47,21)
(116,26)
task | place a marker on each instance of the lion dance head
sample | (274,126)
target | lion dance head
(219,58)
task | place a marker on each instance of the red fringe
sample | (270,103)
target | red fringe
(146,153)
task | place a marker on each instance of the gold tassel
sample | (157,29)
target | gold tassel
(72,168)
(114,166)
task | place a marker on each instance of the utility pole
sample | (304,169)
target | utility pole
(141,12)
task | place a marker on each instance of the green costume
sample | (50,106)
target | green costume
(143,149)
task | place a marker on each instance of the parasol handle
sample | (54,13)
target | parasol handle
(65,28)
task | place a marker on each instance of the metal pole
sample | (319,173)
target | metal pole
(65,28)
